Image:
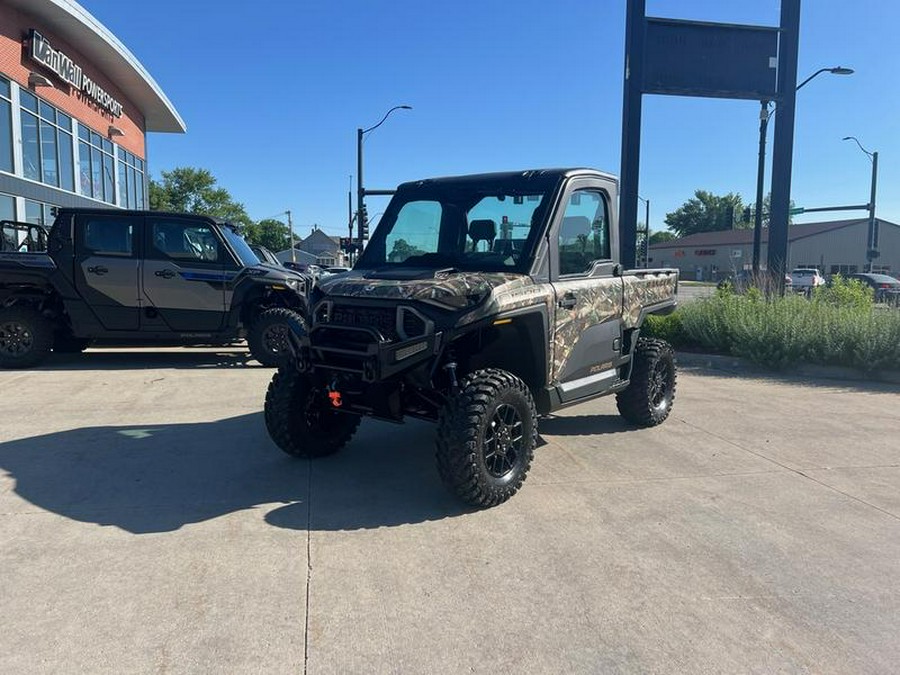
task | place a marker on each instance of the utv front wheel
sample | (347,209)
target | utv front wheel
(300,418)
(26,337)
(268,336)
(486,436)
(648,399)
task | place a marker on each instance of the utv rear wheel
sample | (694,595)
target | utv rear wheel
(300,418)
(26,337)
(648,399)
(486,437)
(268,336)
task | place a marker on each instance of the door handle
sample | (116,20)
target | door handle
(99,270)
(165,274)
(568,301)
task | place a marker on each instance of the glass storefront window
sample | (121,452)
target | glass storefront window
(131,180)
(6,145)
(46,143)
(31,151)
(7,207)
(96,158)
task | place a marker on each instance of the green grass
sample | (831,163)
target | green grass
(839,326)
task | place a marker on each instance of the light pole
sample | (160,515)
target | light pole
(646,245)
(360,189)
(872,239)
(764,116)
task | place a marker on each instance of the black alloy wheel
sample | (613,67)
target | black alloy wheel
(503,441)
(648,399)
(268,336)
(26,337)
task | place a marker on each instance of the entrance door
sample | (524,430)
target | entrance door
(184,273)
(588,327)
(106,268)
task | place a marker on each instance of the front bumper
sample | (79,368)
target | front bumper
(359,351)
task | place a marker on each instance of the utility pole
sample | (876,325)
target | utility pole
(873,239)
(360,190)
(291,228)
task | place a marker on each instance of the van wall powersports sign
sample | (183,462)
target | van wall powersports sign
(69,71)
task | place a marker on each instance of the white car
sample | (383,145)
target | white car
(803,279)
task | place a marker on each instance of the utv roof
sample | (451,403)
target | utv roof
(538,175)
(112,211)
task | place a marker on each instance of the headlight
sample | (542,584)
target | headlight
(295,285)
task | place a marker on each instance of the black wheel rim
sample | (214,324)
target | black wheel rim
(275,338)
(16,339)
(503,440)
(660,384)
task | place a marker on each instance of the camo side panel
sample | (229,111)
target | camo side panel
(647,289)
(598,300)
(516,294)
(453,285)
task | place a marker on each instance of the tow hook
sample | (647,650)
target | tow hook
(334,395)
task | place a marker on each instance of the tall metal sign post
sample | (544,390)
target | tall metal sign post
(712,60)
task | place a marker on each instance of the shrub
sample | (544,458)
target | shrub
(839,326)
(666,328)
(845,293)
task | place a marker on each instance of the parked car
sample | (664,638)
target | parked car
(886,289)
(265,255)
(337,270)
(742,280)
(806,279)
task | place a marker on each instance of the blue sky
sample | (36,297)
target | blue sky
(272,93)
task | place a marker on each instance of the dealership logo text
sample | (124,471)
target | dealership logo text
(69,71)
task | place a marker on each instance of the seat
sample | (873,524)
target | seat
(483,230)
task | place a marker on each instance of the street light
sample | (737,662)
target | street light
(764,116)
(872,237)
(360,190)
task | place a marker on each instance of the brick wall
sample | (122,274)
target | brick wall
(16,63)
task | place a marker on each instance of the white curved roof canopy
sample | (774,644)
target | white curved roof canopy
(73,23)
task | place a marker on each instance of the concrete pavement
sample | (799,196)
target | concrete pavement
(149,525)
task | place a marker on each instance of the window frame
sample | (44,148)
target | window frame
(606,192)
(224,260)
(81,248)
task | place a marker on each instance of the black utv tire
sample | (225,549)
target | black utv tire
(486,437)
(300,420)
(267,337)
(648,399)
(26,337)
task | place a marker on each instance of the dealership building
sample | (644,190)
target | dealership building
(75,108)
(834,247)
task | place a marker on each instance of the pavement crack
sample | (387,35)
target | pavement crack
(308,565)
(797,472)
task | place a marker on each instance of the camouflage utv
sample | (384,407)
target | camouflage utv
(481,302)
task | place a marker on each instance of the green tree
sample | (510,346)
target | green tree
(192,190)
(661,237)
(706,212)
(271,233)
(403,250)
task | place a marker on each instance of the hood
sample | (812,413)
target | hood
(452,289)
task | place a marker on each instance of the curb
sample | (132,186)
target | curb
(736,364)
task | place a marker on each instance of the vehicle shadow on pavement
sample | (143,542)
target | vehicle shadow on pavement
(159,478)
(125,359)
(583,425)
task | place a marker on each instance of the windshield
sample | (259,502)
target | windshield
(243,250)
(465,225)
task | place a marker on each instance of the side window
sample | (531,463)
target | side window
(183,241)
(415,232)
(107,235)
(584,233)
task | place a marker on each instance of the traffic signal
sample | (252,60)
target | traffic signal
(746,217)
(364,223)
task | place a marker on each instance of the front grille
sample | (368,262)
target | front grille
(382,319)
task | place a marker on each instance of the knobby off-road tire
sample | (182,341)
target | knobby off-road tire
(267,337)
(300,420)
(26,337)
(648,399)
(486,437)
